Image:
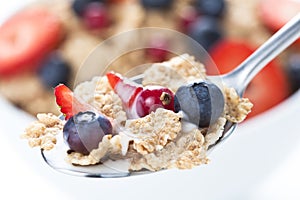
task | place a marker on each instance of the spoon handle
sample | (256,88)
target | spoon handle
(247,70)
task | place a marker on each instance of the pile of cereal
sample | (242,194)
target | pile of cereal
(78,26)
(148,124)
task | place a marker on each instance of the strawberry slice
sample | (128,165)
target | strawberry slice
(69,104)
(228,54)
(266,90)
(140,101)
(276,13)
(26,38)
(127,90)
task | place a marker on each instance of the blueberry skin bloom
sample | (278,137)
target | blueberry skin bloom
(85,130)
(202,103)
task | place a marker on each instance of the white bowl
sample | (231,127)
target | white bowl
(259,161)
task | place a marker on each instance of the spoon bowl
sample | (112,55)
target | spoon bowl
(237,79)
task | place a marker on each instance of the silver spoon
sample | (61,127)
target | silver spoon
(239,79)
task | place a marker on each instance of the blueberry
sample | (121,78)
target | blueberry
(78,6)
(202,103)
(85,130)
(293,69)
(157,4)
(206,31)
(54,70)
(214,8)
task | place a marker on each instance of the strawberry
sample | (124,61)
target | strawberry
(228,54)
(266,90)
(26,38)
(140,101)
(69,104)
(126,89)
(276,13)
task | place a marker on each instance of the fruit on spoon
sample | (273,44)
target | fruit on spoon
(201,102)
(140,101)
(85,130)
(69,104)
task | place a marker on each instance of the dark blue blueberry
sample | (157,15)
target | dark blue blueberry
(85,130)
(157,4)
(206,31)
(202,103)
(293,69)
(214,8)
(54,70)
(78,6)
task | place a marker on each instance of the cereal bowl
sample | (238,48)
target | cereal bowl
(250,162)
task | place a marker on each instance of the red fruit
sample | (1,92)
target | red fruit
(228,54)
(151,99)
(266,90)
(95,16)
(126,89)
(69,105)
(139,101)
(188,16)
(276,13)
(26,38)
(158,49)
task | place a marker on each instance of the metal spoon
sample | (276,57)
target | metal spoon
(239,79)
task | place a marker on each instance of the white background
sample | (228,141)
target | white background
(261,160)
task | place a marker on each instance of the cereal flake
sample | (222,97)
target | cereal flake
(155,130)
(43,132)
(236,108)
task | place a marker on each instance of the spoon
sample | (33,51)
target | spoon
(238,79)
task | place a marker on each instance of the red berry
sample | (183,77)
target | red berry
(125,89)
(151,99)
(139,101)
(158,49)
(227,54)
(187,17)
(276,13)
(266,90)
(95,16)
(69,105)
(26,38)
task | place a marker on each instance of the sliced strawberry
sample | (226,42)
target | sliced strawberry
(69,105)
(113,79)
(227,54)
(140,101)
(126,89)
(26,38)
(276,13)
(266,90)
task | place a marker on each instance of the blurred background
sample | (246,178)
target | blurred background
(44,43)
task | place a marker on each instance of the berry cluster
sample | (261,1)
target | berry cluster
(201,103)
(200,21)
